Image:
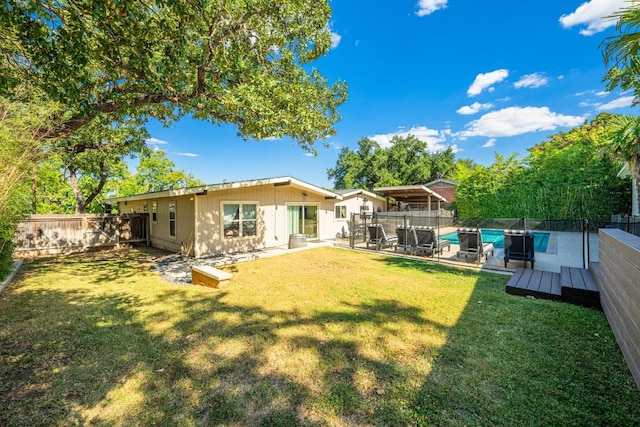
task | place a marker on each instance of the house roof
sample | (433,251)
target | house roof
(441,181)
(625,172)
(355,191)
(410,193)
(204,189)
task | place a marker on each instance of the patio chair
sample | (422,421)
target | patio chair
(518,245)
(379,238)
(406,239)
(471,244)
(427,242)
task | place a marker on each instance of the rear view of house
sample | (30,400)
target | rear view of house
(236,216)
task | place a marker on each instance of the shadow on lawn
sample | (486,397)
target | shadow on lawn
(73,358)
(535,363)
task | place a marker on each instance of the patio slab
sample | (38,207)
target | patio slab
(563,249)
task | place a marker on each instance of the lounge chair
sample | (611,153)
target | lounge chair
(379,238)
(518,245)
(471,244)
(406,239)
(427,242)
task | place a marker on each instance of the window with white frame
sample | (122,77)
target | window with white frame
(172,219)
(154,211)
(239,219)
(341,212)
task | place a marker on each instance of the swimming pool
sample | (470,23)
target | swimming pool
(540,238)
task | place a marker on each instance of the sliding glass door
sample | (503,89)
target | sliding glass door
(303,219)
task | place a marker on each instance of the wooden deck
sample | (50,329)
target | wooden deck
(572,285)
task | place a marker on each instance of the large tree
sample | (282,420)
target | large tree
(92,154)
(621,52)
(56,191)
(624,143)
(405,162)
(243,62)
(155,172)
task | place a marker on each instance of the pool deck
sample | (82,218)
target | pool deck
(564,249)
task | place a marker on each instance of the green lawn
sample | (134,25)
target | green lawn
(320,337)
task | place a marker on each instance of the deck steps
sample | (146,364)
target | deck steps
(572,285)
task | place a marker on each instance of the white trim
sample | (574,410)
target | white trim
(318,206)
(175,218)
(281,181)
(442,181)
(224,238)
(154,203)
(366,193)
(411,187)
(346,208)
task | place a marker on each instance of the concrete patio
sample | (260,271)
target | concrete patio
(564,249)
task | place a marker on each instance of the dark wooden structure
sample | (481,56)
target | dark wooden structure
(572,285)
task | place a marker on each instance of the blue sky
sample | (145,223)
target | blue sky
(479,76)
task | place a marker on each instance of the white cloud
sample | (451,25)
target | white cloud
(592,14)
(486,81)
(513,121)
(187,154)
(155,141)
(435,139)
(599,94)
(622,102)
(427,7)
(531,80)
(473,108)
(490,143)
(335,40)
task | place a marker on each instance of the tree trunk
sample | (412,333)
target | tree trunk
(104,174)
(73,181)
(81,202)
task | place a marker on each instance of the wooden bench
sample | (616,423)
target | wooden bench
(209,276)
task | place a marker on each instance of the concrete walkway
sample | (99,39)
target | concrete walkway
(14,269)
(177,269)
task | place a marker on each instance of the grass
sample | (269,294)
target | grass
(313,338)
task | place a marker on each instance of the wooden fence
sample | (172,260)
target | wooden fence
(55,234)
(619,284)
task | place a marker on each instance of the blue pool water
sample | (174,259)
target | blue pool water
(540,238)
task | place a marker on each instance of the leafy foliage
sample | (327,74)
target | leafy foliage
(240,62)
(21,147)
(405,162)
(621,50)
(92,154)
(156,172)
(566,176)
(624,143)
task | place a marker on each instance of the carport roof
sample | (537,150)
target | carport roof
(409,193)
